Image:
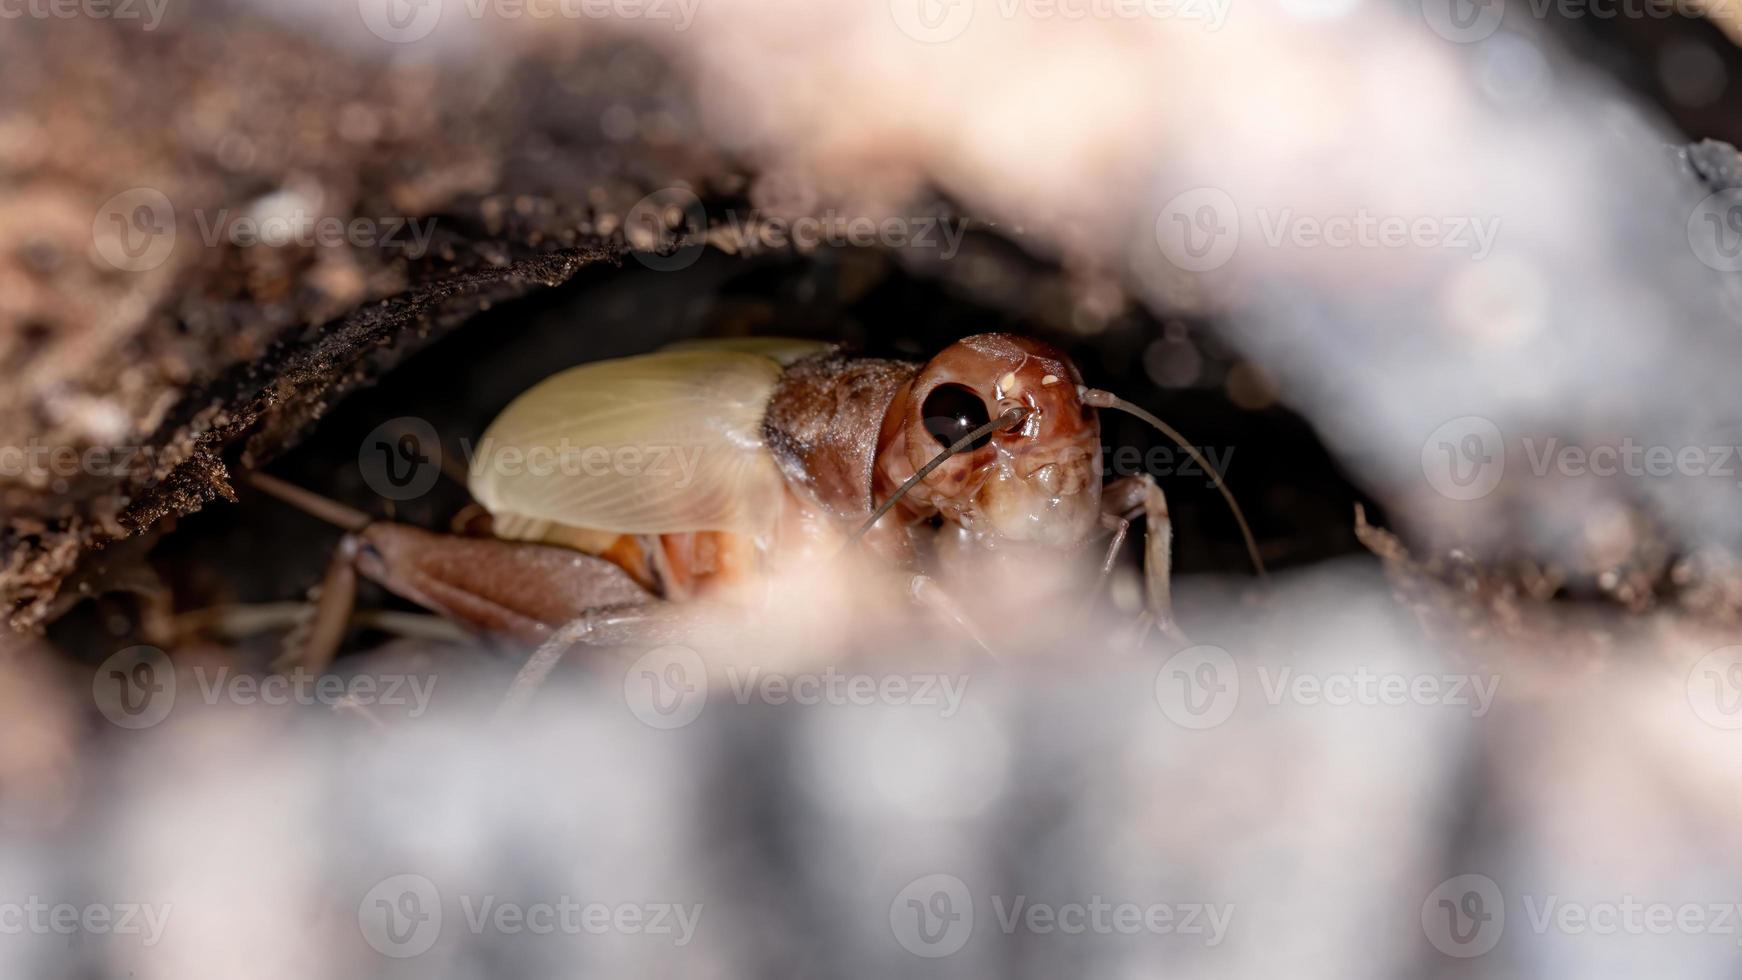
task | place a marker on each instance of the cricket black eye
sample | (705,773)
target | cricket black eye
(953,411)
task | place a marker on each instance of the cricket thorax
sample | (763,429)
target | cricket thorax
(823,426)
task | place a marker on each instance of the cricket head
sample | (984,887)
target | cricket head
(1035,480)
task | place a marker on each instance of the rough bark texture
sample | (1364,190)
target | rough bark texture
(222,354)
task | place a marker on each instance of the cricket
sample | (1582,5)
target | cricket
(803,451)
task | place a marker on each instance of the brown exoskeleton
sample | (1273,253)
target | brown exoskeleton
(796,448)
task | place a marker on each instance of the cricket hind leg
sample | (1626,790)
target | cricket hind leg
(523,590)
(544,595)
(314,640)
(1121,501)
(519,590)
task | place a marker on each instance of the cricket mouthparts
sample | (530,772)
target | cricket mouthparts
(1008,420)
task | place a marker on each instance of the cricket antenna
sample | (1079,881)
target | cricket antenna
(1008,420)
(1097,398)
(308,502)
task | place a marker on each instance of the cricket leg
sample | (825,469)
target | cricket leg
(539,594)
(313,642)
(1127,497)
(517,589)
(523,590)
(654,623)
(932,596)
(1120,525)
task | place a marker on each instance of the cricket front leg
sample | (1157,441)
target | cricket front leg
(644,625)
(930,595)
(1124,499)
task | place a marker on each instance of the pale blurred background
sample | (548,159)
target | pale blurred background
(1466,266)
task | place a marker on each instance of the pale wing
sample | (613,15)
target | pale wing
(658,444)
(782,349)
